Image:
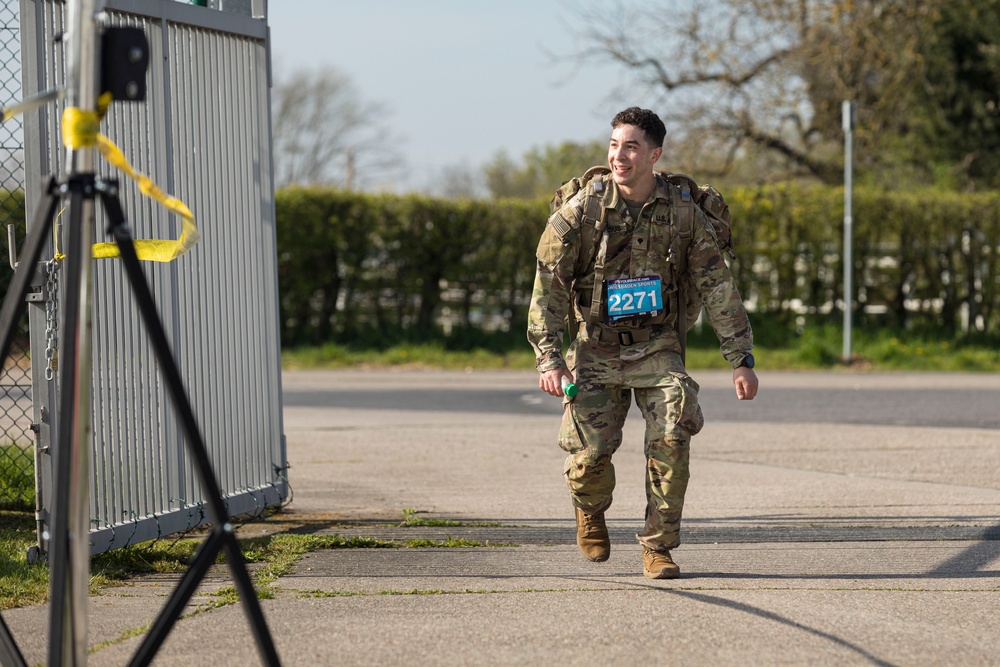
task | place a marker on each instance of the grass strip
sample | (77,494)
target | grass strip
(270,557)
(817,347)
(410,519)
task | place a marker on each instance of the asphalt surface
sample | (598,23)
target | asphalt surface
(838,519)
(861,403)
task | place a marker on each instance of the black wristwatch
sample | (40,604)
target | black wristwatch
(747,362)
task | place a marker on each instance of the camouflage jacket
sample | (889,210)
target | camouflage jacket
(634,249)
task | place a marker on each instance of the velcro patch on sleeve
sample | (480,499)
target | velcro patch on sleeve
(560,225)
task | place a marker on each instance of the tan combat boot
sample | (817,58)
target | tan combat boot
(658,565)
(592,536)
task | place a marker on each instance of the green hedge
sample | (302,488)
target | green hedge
(377,269)
(380,268)
(919,258)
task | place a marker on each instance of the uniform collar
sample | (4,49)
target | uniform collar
(661,191)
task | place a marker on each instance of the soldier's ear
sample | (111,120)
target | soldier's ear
(656,154)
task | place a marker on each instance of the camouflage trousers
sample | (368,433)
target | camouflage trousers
(607,374)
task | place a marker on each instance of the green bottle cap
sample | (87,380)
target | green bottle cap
(569,388)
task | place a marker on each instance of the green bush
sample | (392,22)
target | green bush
(383,269)
(378,270)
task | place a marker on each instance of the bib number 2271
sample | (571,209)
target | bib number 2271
(634,297)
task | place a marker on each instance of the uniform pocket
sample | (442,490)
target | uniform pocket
(569,431)
(690,418)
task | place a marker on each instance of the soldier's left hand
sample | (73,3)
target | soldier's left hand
(745,381)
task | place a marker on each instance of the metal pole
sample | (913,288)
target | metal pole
(70,561)
(847,111)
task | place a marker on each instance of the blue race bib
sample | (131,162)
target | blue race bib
(634,297)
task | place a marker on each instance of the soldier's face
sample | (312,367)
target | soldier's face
(631,156)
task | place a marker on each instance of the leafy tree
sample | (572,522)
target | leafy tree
(961,92)
(542,169)
(505,178)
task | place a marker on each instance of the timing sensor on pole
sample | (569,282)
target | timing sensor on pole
(124,61)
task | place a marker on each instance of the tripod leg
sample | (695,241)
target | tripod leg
(10,654)
(195,445)
(178,600)
(13,306)
(13,303)
(69,550)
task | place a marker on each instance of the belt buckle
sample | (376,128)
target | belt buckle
(625,337)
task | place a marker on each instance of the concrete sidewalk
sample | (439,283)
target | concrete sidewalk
(806,542)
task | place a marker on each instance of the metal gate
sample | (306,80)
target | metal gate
(203,135)
(17,481)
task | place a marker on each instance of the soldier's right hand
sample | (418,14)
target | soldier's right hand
(551,381)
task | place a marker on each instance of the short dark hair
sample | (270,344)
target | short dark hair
(645,120)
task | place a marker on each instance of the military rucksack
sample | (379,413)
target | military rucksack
(707,198)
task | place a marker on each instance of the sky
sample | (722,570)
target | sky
(461,79)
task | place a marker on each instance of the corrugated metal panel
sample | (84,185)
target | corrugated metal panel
(203,135)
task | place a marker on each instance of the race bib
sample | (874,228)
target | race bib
(634,297)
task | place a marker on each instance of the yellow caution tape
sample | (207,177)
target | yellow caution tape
(154,250)
(80,130)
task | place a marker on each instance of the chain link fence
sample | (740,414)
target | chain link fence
(17,480)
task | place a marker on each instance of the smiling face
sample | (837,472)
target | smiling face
(631,157)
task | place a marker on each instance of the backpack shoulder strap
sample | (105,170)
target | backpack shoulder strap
(593,184)
(685,225)
(595,242)
(684,212)
(593,219)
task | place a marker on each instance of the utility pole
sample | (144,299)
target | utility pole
(349,169)
(847,111)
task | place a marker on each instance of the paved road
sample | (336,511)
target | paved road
(962,400)
(839,519)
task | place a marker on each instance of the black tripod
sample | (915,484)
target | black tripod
(81,189)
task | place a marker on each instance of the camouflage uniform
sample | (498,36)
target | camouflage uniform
(609,361)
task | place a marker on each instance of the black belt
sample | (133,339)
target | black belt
(599,332)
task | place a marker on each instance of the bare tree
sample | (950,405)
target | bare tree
(324,134)
(459,182)
(762,80)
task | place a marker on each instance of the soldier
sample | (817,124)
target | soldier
(622,293)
